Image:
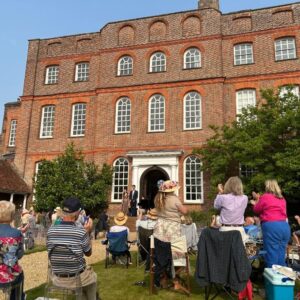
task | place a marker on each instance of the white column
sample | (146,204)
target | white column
(25,201)
(11,198)
(134,179)
(174,173)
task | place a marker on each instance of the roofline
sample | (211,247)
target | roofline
(162,15)
(262,8)
(15,103)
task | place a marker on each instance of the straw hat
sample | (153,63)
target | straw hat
(57,209)
(120,218)
(152,214)
(169,186)
(25,211)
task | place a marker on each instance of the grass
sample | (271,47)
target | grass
(117,282)
(37,248)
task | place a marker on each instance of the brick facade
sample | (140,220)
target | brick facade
(217,80)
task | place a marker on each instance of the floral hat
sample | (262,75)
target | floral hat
(168,186)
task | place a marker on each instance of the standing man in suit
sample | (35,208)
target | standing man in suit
(133,197)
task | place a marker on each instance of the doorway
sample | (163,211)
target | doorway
(148,185)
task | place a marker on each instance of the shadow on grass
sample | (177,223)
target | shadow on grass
(117,282)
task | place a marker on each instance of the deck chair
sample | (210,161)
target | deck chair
(143,247)
(222,263)
(118,247)
(69,286)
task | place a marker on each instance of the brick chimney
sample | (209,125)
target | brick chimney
(208,4)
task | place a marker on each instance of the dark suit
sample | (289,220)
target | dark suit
(133,197)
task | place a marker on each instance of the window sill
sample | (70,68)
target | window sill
(46,137)
(189,69)
(127,75)
(192,129)
(241,65)
(187,202)
(78,81)
(280,60)
(152,72)
(162,131)
(77,136)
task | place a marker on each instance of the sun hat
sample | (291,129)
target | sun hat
(57,209)
(25,211)
(169,186)
(71,205)
(120,218)
(152,214)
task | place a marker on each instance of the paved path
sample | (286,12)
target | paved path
(35,265)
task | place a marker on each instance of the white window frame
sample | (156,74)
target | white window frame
(119,182)
(79,115)
(198,188)
(189,114)
(247,96)
(47,122)
(12,133)
(156,104)
(246,171)
(285,48)
(192,59)
(82,71)
(294,90)
(158,62)
(125,66)
(123,115)
(243,54)
(52,73)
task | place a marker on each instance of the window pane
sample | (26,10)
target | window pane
(157,113)
(79,119)
(244,99)
(192,108)
(192,59)
(120,178)
(52,75)
(12,133)
(47,122)
(125,66)
(243,54)
(123,115)
(82,71)
(158,62)
(285,49)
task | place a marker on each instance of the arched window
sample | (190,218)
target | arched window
(78,119)
(192,59)
(156,113)
(192,111)
(120,178)
(245,98)
(193,180)
(125,66)
(158,62)
(123,111)
(47,121)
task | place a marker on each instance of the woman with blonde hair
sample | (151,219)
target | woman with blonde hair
(232,203)
(167,229)
(271,208)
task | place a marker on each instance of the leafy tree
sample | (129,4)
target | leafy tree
(70,175)
(264,139)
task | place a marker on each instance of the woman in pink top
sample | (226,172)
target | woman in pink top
(232,204)
(271,208)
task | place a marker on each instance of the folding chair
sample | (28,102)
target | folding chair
(62,285)
(16,287)
(118,247)
(190,232)
(143,246)
(222,263)
(180,264)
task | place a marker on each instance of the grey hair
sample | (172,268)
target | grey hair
(7,211)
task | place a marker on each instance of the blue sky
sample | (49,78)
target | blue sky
(22,20)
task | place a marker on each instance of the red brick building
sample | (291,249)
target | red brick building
(141,94)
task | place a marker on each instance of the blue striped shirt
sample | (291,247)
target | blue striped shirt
(67,244)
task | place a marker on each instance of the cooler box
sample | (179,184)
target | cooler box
(277,287)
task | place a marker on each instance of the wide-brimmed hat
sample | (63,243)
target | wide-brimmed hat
(168,186)
(120,218)
(57,209)
(152,214)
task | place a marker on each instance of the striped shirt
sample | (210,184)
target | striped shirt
(67,244)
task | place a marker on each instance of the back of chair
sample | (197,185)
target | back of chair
(144,235)
(58,255)
(117,242)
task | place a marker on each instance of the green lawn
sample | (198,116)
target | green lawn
(117,282)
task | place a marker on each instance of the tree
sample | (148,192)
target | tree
(70,175)
(264,139)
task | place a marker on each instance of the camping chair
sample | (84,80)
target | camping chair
(224,253)
(190,232)
(69,284)
(143,246)
(16,287)
(180,263)
(118,246)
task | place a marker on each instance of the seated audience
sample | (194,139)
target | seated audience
(296,233)
(232,203)
(11,250)
(147,221)
(69,234)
